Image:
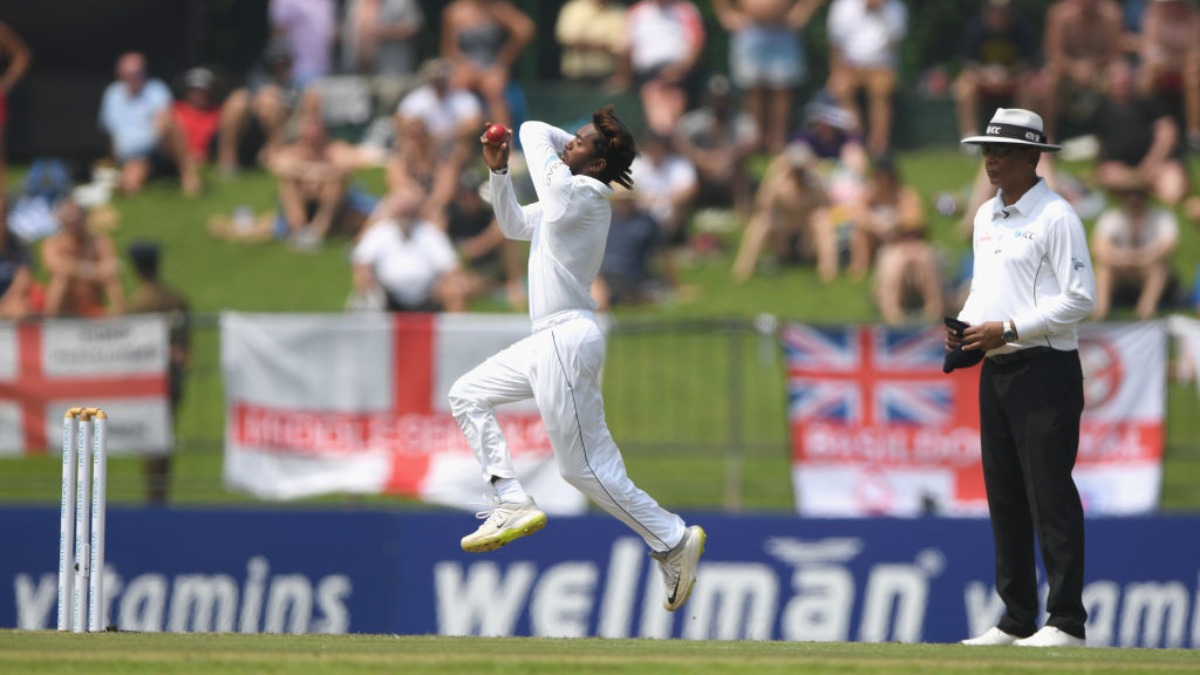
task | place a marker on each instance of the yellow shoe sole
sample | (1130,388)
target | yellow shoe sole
(504,537)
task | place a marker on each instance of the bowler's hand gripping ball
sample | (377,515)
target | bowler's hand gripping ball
(496,134)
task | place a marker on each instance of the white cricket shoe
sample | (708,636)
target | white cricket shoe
(994,637)
(1049,636)
(506,522)
(678,566)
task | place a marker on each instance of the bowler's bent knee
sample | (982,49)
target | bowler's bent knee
(464,398)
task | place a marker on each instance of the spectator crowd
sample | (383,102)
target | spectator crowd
(807,169)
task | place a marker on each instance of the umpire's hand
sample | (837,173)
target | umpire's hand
(984,337)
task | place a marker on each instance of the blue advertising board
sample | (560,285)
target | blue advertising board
(777,578)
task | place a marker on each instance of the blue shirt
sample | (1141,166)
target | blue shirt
(13,256)
(631,242)
(129,120)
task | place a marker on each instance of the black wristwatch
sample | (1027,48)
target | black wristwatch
(1010,332)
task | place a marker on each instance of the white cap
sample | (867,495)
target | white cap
(1014,126)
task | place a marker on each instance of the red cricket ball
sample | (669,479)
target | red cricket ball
(496,134)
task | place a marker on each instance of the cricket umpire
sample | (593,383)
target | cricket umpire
(1032,284)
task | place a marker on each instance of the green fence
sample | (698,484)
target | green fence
(698,408)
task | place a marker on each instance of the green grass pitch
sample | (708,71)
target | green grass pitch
(227,654)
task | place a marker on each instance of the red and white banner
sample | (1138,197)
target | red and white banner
(357,403)
(878,429)
(117,364)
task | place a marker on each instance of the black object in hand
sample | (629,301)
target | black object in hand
(959,357)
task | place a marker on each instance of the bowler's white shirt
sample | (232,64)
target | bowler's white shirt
(567,226)
(1032,266)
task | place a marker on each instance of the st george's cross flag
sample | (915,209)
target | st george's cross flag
(117,364)
(878,429)
(357,403)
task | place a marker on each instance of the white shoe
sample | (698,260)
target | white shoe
(678,566)
(1049,636)
(505,523)
(994,637)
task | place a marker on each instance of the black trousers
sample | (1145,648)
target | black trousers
(1029,412)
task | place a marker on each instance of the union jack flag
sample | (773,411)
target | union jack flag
(868,376)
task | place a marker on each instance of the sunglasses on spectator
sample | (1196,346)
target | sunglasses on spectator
(999,150)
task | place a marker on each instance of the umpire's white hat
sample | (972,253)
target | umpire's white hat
(1014,126)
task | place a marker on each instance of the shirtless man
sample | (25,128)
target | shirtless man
(13,50)
(1082,37)
(312,175)
(83,268)
(791,210)
(766,57)
(1169,51)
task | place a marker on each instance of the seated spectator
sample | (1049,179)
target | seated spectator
(83,268)
(18,56)
(1132,246)
(415,165)
(449,112)
(198,114)
(999,50)
(842,165)
(308,28)
(890,217)
(830,131)
(766,57)
(32,215)
(907,277)
(864,39)
(1139,141)
(153,296)
(493,262)
(885,209)
(664,40)
(790,209)
(1169,51)
(626,272)
(482,39)
(379,37)
(410,260)
(16,272)
(135,112)
(315,199)
(1082,38)
(254,118)
(591,34)
(717,139)
(667,186)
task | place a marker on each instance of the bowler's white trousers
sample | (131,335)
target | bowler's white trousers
(559,367)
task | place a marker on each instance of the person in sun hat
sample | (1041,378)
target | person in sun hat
(1033,283)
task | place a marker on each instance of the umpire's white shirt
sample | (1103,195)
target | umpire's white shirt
(1032,266)
(568,225)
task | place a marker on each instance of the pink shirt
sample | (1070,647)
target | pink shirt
(309,27)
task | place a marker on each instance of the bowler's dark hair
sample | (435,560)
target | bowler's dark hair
(615,145)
